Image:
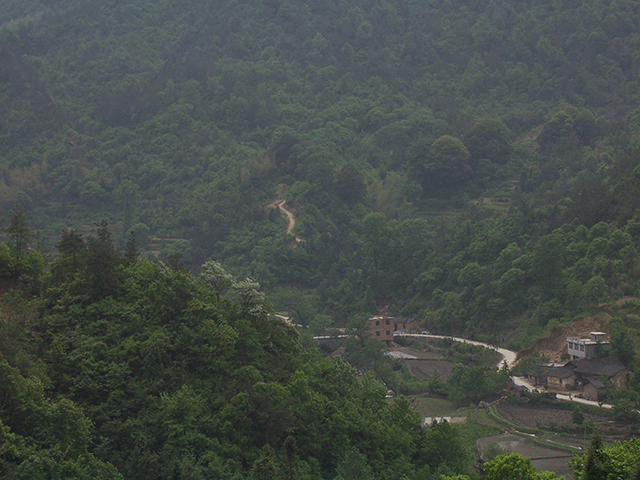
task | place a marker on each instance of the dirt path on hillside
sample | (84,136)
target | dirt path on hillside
(291,219)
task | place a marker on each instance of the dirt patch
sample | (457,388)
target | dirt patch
(428,368)
(555,346)
(534,417)
(550,418)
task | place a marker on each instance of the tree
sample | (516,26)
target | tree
(354,466)
(514,466)
(127,196)
(70,247)
(616,460)
(622,342)
(252,300)
(376,232)
(584,124)
(290,449)
(19,231)
(350,186)
(577,416)
(102,260)
(92,193)
(625,405)
(293,301)
(548,263)
(441,447)
(558,134)
(131,249)
(510,287)
(447,166)
(265,467)
(71,244)
(214,274)
(286,148)
(176,261)
(489,139)
(594,468)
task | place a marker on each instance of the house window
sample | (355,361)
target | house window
(387,322)
(582,348)
(377,333)
(388,332)
(377,323)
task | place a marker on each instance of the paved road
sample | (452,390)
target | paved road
(507,355)
(511,358)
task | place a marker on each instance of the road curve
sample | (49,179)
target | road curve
(511,358)
(507,355)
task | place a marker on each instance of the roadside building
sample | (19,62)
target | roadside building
(588,377)
(406,324)
(381,328)
(560,377)
(587,347)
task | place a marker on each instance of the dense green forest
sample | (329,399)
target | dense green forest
(124,368)
(115,367)
(472,164)
(462,162)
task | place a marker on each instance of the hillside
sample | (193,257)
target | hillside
(384,125)
(555,346)
(121,368)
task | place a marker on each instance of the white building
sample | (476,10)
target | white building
(586,347)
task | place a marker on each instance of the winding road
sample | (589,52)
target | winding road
(511,358)
(507,355)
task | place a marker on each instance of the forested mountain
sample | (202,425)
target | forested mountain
(464,162)
(470,163)
(123,368)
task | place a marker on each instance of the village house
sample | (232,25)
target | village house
(584,374)
(559,377)
(587,347)
(589,377)
(406,324)
(382,327)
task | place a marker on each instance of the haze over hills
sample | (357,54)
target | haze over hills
(412,140)
(473,164)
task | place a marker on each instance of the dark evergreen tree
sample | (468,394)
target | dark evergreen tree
(102,260)
(20,232)
(131,250)
(577,416)
(71,244)
(594,468)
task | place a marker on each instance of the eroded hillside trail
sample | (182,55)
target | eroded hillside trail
(291,219)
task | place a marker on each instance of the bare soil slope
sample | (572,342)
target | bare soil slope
(554,346)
